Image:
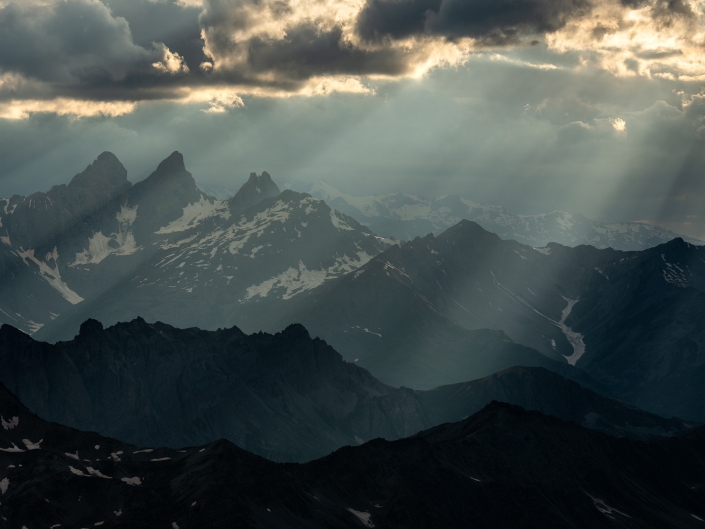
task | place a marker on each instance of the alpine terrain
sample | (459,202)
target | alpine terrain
(162,249)
(417,315)
(285,396)
(408,216)
(503,466)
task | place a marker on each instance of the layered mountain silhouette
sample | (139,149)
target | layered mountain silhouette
(503,466)
(407,216)
(415,314)
(165,250)
(286,396)
(435,311)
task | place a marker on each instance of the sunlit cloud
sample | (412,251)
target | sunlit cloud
(619,125)
(171,62)
(654,39)
(14,110)
(78,50)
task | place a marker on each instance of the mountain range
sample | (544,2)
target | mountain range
(286,397)
(408,216)
(434,311)
(503,466)
(162,244)
(281,359)
(417,315)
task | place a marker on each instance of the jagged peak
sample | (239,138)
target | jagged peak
(106,170)
(256,189)
(90,326)
(468,228)
(169,179)
(296,330)
(173,162)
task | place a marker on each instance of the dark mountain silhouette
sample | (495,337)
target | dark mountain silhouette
(286,396)
(502,467)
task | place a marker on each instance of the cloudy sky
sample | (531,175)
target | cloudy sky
(589,106)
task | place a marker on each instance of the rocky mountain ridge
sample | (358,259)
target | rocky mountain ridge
(502,466)
(100,235)
(633,320)
(285,396)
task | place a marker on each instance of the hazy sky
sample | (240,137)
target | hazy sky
(590,106)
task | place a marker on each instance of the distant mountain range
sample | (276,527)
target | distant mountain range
(286,396)
(501,467)
(407,216)
(162,248)
(417,315)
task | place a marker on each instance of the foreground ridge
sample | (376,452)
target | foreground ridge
(284,396)
(501,467)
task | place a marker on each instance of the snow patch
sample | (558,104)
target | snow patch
(674,274)
(338,222)
(14,450)
(545,251)
(78,472)
(99,245)
(161,459)
(364,517)
(32,446)
(126,216)
(601,506)
(33,326)
(132,481)
(12,423)
(300,279)
(169,245)
(575,338)
(3,485)
(97,473)
(601,273)
(51,275)
(195,213)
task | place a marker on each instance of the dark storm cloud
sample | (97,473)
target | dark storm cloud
(307,52)
(492,21)
(69,40)
(165,21)
(142,50)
